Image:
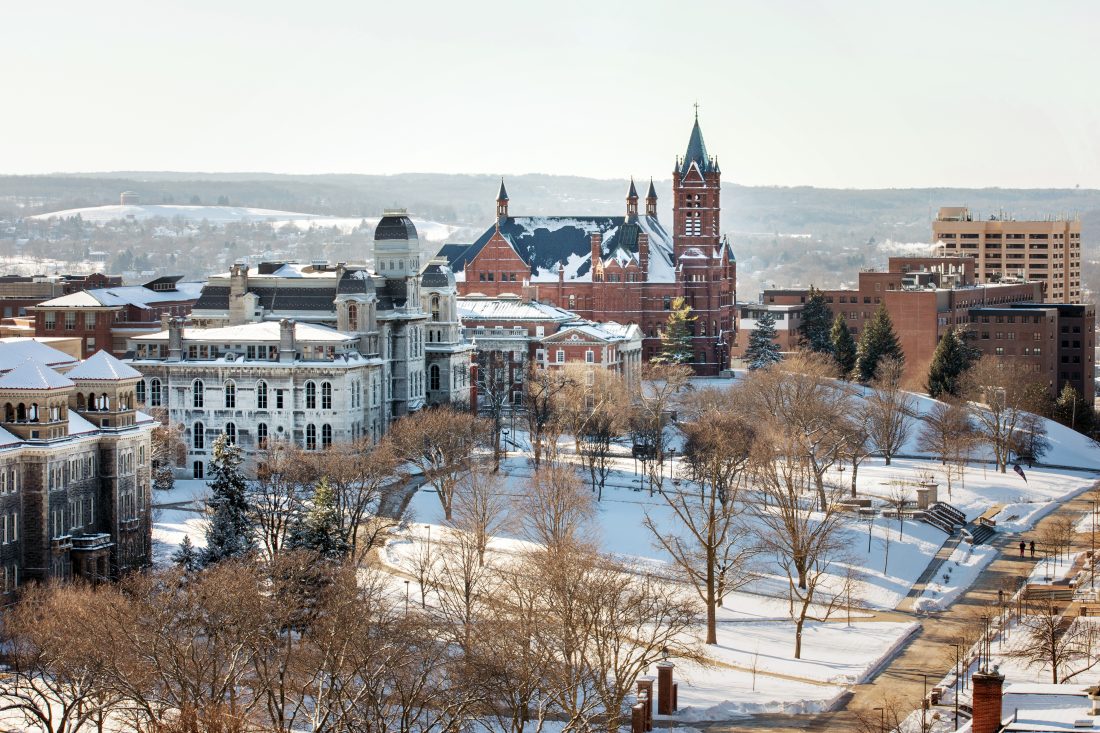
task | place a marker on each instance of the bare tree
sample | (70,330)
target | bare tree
(283,477)
(481,509)
(855,445)
(367,481)
(494,389)
(167,449)
(949,433)
(1067,648)
(555,510)
(600,402)
(888,409)
(58,671)
(805,542)
(441,442)
(541,409)
(656,395)
(1003,388)
(801,396)
(710,544)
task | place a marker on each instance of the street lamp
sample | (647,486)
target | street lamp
(958,659)
(882,719)
(406,598)
(505,442)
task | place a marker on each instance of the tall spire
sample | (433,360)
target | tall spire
(697,150)
(651,200)
(502,202)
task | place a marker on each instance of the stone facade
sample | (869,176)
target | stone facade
(314,354)
(74,471)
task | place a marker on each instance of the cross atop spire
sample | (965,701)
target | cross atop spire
(696,110)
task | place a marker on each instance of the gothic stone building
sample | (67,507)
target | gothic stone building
(74,467)
(314,354)
(620,268)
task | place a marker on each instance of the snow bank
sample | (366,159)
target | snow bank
(961,570)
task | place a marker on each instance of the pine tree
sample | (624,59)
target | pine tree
(676,347)
(817,320)
(229,534)
(877,342)
(1073,411)
(844,346)
(762,350)
(186,557)
(950,361)
(319,529)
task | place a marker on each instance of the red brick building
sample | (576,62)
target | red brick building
(620,268)
(18,293)
(104,318)
(926,296)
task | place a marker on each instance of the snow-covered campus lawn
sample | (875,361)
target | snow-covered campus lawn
(752,669)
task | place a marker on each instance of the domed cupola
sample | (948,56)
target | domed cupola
(105,390)
(396,245)
(34,401)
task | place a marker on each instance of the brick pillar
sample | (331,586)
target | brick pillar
(597,252)
(664,688)
(987,702)
(645,695)
(643,254)
(637,718)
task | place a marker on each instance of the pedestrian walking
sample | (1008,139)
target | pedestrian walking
(1023,546)
(1033,548)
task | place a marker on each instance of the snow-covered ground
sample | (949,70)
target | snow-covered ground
(956,575)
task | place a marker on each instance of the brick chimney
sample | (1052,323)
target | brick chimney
(643,254)
(987,702)
(597,253)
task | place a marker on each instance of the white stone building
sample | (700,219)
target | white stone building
(314,354)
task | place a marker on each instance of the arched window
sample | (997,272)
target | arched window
(230,433)
(261,435)
(261,395)
(230,393)
(154,392)
(104,402)
(198,436)
(197,393)
(311,437)
(32,414)
(326,435)
(80,404)
(197,469)
(140,388)
(433,377)
(311,396)
(353,317)
(435,307)
(326,395)
(21,413)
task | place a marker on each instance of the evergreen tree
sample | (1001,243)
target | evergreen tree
(877,342)
(676,347)
(950,361)
(319,528)
(229,533)
(844,346)
(817,320)
(1073,411)
(762,350)
(186,557)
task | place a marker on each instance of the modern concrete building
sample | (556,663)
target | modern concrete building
(1005,249)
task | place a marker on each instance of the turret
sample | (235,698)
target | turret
(651,201)
(105,391)
(632,200)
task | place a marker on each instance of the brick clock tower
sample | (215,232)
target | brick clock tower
(705,267)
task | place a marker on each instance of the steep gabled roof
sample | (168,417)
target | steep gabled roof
(101,366)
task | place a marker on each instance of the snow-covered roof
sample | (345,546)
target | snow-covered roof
(262,331)
(78,425)
(101,366)
(544,242)
(608,332)
(510,309)
(7,439)
(32,374)
(16,349)
(125,295)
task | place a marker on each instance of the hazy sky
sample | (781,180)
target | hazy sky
(852,94)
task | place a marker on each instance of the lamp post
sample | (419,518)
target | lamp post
(505,442)
(958,659)
(882,719)
(406,598)
(870,524)
(1092,544)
